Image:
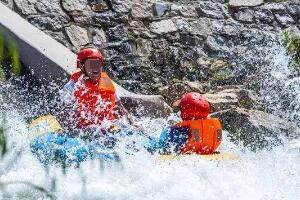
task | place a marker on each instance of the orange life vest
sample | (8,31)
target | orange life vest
(93,102)
(205,136)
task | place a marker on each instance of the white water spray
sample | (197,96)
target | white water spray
(266,175)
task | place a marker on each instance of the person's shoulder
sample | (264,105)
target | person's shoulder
(75,76)
(214,120)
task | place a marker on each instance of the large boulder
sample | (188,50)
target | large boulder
(77,35)
(212,10)
(275,7)
(201,27)
(49,7)
(53,23)
(141,10)
(174,91)
(232,97)
(160,9)
(244,3)
(217,45)
(147,105)
(183,10)
(74,5)
(26,7)
(50,15)
(256,129)
(293,9)
(162,27)
(264,16)
(245,15)
(284,19)
(122,6)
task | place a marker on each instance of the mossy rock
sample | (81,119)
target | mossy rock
(256,129)
(291,42)
(222,75)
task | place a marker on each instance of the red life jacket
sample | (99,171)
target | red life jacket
(205,136)
(94,103)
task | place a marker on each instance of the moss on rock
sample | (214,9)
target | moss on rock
(291,42)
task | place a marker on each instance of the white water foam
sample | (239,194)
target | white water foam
(265,175)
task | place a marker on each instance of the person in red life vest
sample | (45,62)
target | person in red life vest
(90,93)
(196,133)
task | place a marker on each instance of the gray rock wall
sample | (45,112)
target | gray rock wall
(150,45)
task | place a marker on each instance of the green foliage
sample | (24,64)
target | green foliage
(9,53)
(292,44)
(13,53)
(3,143)
(1,46)
(2,73)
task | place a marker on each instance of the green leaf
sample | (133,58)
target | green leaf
(3,143)
(15,58)
(9,51)
(2,73)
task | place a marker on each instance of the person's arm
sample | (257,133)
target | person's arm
(172,139)
(122,111)
(66,104)
(158,144)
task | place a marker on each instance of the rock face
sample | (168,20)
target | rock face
(141,10)
(149,45)
(74,5)
(26,7)
(160,9)
(256,129)
(162,27)
(235,97)
(214,47)
(149,106)
(77,35)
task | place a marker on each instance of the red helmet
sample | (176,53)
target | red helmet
(193,106)
(86,53)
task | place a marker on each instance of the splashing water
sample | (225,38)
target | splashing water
(265,175)
(281,86)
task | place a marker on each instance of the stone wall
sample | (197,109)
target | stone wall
(150,45)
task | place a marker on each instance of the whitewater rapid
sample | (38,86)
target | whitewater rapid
(266,175)
(263,175)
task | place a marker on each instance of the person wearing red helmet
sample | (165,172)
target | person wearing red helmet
(90,93)
(196,133)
